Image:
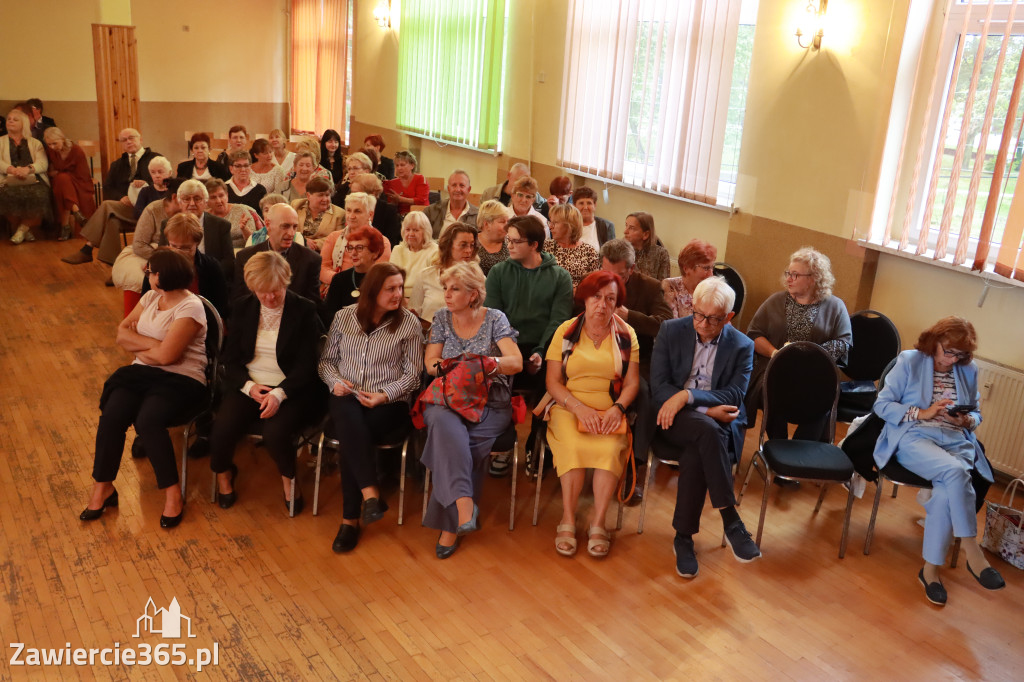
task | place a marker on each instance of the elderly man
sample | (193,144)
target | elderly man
(216,243)
(114,215)
(699,373)
(185,234)
(282,222)
(596,231)
(503,192)
(456,207)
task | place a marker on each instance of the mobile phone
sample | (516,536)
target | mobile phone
(957,410)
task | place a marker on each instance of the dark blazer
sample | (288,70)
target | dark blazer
(305,264)
(115,185)
(605,229)
(212,284)
(388,222)
(647,310)
(251,198)
(217,170)
(39,127)
(297,343)
(672,363)
(387,167)
(217,242)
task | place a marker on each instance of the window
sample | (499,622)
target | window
(655,92)
(321,65)
(948,181)
(451,64)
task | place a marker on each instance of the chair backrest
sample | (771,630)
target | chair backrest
(876,342)
(885,373)
(801,384)
(214,341)
(734,280)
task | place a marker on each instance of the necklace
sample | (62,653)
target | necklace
(355,287)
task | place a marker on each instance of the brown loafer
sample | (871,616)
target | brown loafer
(77,258)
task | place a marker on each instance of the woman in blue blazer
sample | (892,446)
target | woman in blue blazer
(936,442)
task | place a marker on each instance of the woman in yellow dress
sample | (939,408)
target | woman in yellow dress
(592,378)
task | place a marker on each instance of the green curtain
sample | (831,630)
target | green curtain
(451,60)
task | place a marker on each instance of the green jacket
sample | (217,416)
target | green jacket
(535,301)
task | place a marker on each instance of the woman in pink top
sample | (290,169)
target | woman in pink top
(406,190)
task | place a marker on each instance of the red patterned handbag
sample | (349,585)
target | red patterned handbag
(462,386)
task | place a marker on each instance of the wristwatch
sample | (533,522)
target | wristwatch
(621,408)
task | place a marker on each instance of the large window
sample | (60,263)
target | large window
(951,195)
(451,64)
(321,65)
(655,93)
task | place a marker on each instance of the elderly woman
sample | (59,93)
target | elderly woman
(651,257)
(696,263)
(318,217)
(201,166)
(416,251)
(457,244)
(409,188)
(270,374)
(242,189)
(359,209)
(385,216)
(930,406)
(596,231)
(160,171)
(560,190)
(331,157)
(592,379)
(356,164)
(305,164)
(264,170)
(238,140)
(244,220)
(167,334)
(282,157)
(71,180)
(364,246)
(575,257)
(183,233)
(524,193)
(492,222)
(805,311)
(457,451)
(24,184)
(371,365)
(386,166)
(126,273)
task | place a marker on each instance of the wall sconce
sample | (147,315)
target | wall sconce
(383,14)
(816,10)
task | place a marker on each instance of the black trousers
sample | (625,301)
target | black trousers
(153,400)
(534,386)
(705,467)
(358,429)
(238,413)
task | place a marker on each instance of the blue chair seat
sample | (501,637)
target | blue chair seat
(807,459)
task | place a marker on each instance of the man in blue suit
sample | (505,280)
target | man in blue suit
(699,372)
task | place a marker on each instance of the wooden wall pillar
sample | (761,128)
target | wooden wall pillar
(117,86)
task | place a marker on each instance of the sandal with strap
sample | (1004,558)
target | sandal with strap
(571,542)
(598,546)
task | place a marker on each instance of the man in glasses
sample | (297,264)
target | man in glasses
(282,222)
(216,242)
(699,372)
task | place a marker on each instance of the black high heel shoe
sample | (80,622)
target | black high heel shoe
(226,500)
(93,514)
(171,521)
(445,551)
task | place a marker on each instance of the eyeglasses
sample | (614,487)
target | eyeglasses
(710,319)
(241,165)
(796,275)
(180,247)
(194,199)
(705,268)
(958,354)
(517,241)
(357,248)
(524,195)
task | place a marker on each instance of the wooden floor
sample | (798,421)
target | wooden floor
(281,606)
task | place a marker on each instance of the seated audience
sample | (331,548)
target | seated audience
(596,231)
(364,244)
(305,163)
(282,157)
(696,263)
(699,374)
(282,223)
(416,250)
(385,216)
(651,257)
(386,166)
(492,223)
(127,271)
(244,220)
(71,180)
(217,243)
(260,235)
(359,212)
(575,257)
(103,230)
(409,188)
(457,244)
(805,311)
(356,164)
(264,170)
(331,157)
(592,379)
(930,439)
(40,123)
(167,333)
(238,140)
(560,191)
(201,166)
(312,145)
(24,186)
(183,233)
(457,451)
(371,365)
(455,208)
(503,192)
(374,156)
(242,189)
(318,217)
(524,192)
(270,377)
(159,173)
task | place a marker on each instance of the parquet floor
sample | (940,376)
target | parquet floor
(281,606)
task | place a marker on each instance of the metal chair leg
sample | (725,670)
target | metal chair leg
(401,480)
(764,504)
(846,522)
(426,493)
(515,475)
(213,487)
(821,497)
(647,487)
(291,502)
(316,484)
(874,512)
(895,490)
(538,450)
(184,459)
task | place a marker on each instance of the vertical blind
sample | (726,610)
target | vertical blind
(961,204)
(451,61)
(646,91)
(319,56)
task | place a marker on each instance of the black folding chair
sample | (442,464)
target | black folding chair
(876,343)
(735,280)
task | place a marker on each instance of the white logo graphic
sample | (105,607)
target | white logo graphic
(165,622)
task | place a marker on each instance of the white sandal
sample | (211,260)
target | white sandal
(559,541)
(598,546)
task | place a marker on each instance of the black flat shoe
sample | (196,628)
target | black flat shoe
(935,592)
(138,452)
(227,500)
(171,521)
(470,526)
(300,504)
(445,551)
(989,578)
(373,510)
(346,539)
(93,514)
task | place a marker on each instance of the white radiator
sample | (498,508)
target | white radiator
(1002,409)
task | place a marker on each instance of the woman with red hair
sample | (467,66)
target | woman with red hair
(364,244)
(592,379)
(696,263)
